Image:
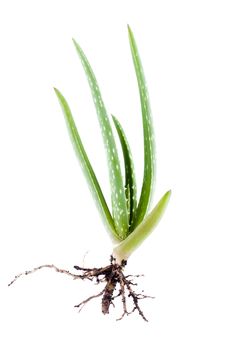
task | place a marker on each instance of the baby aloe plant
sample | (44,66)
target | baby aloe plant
(128,221)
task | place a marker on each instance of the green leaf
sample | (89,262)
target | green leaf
(118,198)
(86,166)
(133,241)
(149,158)
(130,182)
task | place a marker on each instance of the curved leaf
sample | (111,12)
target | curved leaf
(132,242)
(149,158)
(119,206)
(86,166)
(130,182)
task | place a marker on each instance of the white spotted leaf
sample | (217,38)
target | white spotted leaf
(118,198)
(130,182)
(149,157)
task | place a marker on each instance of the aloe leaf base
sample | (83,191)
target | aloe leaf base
(124,249)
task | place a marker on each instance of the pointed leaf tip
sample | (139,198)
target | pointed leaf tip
(57,92)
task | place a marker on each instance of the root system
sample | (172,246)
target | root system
(116,285)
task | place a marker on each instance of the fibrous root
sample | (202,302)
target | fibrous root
(116,285)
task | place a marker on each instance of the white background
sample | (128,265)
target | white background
(46,212)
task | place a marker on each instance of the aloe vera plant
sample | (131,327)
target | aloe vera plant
(128,219)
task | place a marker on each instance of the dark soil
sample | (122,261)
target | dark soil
(116,284)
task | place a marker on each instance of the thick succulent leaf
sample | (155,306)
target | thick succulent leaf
(133,241)
(149,158)
(130,182)
(119,206)
(86,166)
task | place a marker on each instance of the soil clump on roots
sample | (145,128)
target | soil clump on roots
(116,285)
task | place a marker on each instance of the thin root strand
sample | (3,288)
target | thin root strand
(51,266)
(82,304)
